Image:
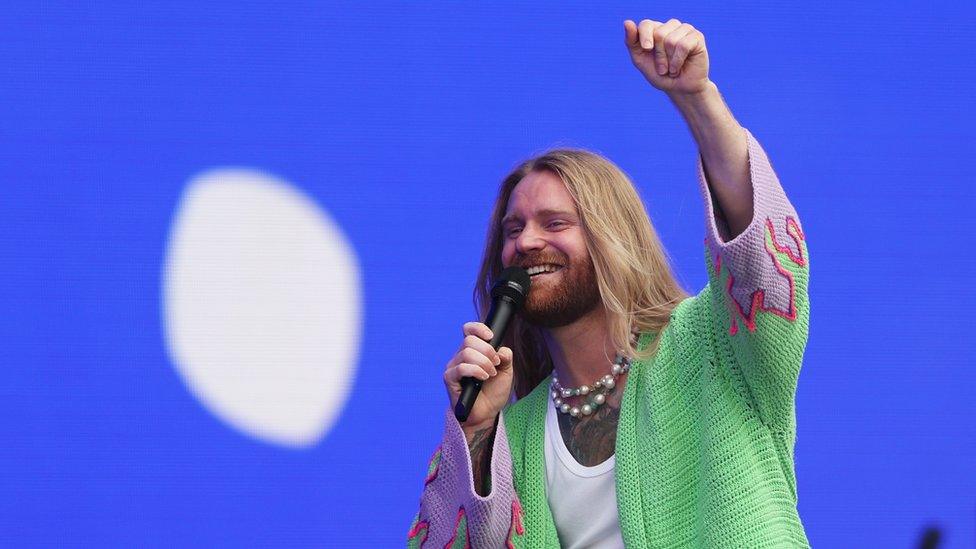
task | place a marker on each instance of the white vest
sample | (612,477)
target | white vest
(583,500)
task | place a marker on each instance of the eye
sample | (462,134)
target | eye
(512,231)
(557,224)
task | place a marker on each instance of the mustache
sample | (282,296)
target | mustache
(540,259)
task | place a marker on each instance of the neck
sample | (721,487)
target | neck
(582,351)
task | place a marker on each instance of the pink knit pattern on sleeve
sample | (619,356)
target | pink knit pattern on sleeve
(757,281)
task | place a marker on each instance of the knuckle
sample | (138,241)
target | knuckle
(475,357)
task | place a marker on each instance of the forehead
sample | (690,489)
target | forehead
(539,191)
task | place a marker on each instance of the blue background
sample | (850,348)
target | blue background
(400,120)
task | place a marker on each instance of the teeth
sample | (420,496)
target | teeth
(542,269)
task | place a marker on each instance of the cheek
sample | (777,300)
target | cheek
(508,253)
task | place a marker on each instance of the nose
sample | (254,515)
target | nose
(528,240)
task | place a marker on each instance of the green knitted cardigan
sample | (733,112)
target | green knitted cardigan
(704,451)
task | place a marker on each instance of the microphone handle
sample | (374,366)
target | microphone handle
(501,312)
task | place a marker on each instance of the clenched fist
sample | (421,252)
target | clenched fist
(671,55)
(476,358)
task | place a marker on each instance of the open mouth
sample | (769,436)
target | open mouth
(542,270)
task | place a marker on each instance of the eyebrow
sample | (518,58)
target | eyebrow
(544,213)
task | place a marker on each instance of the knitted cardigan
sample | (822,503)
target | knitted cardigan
(704,451)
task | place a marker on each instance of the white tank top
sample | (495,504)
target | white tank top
(583,500)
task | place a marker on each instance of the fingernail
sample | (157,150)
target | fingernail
(646,44)
(661,69)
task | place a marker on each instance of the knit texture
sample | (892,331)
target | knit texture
(452,513)
(704,452)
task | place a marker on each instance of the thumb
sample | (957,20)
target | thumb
(505,357)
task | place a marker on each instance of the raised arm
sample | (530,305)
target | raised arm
(756,253)
(672,56)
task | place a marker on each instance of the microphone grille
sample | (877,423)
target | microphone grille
(513,282)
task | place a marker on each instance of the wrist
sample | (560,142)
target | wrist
(477,430)
(696,100)
(706,114)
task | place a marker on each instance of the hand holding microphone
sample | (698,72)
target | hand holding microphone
(478,360)
(480,365)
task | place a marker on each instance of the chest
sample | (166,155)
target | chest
(590,440)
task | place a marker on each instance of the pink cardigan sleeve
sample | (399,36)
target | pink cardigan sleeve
(451,512)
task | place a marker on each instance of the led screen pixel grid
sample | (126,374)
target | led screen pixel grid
(393,123)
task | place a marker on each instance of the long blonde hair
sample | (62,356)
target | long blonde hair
(633,271)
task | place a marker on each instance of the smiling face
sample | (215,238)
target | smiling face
(542,233)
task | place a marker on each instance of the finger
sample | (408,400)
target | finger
(671,42)
(477,329)
(471,356)
(646,33)
(453,375)
(660,54)
(631,35)
(688,44)
(482,347)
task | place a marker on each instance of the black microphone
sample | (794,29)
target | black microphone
(507,296)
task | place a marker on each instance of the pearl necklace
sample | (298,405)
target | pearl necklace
(596,394)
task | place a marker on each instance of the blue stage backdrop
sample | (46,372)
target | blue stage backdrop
(239,240)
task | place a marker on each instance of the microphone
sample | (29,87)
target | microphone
(507,296)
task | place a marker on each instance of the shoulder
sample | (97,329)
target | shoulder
(686,332)
(687,309)
(688,314)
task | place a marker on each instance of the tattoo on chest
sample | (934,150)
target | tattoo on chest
(591,439)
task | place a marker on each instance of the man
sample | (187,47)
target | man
(645,417)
